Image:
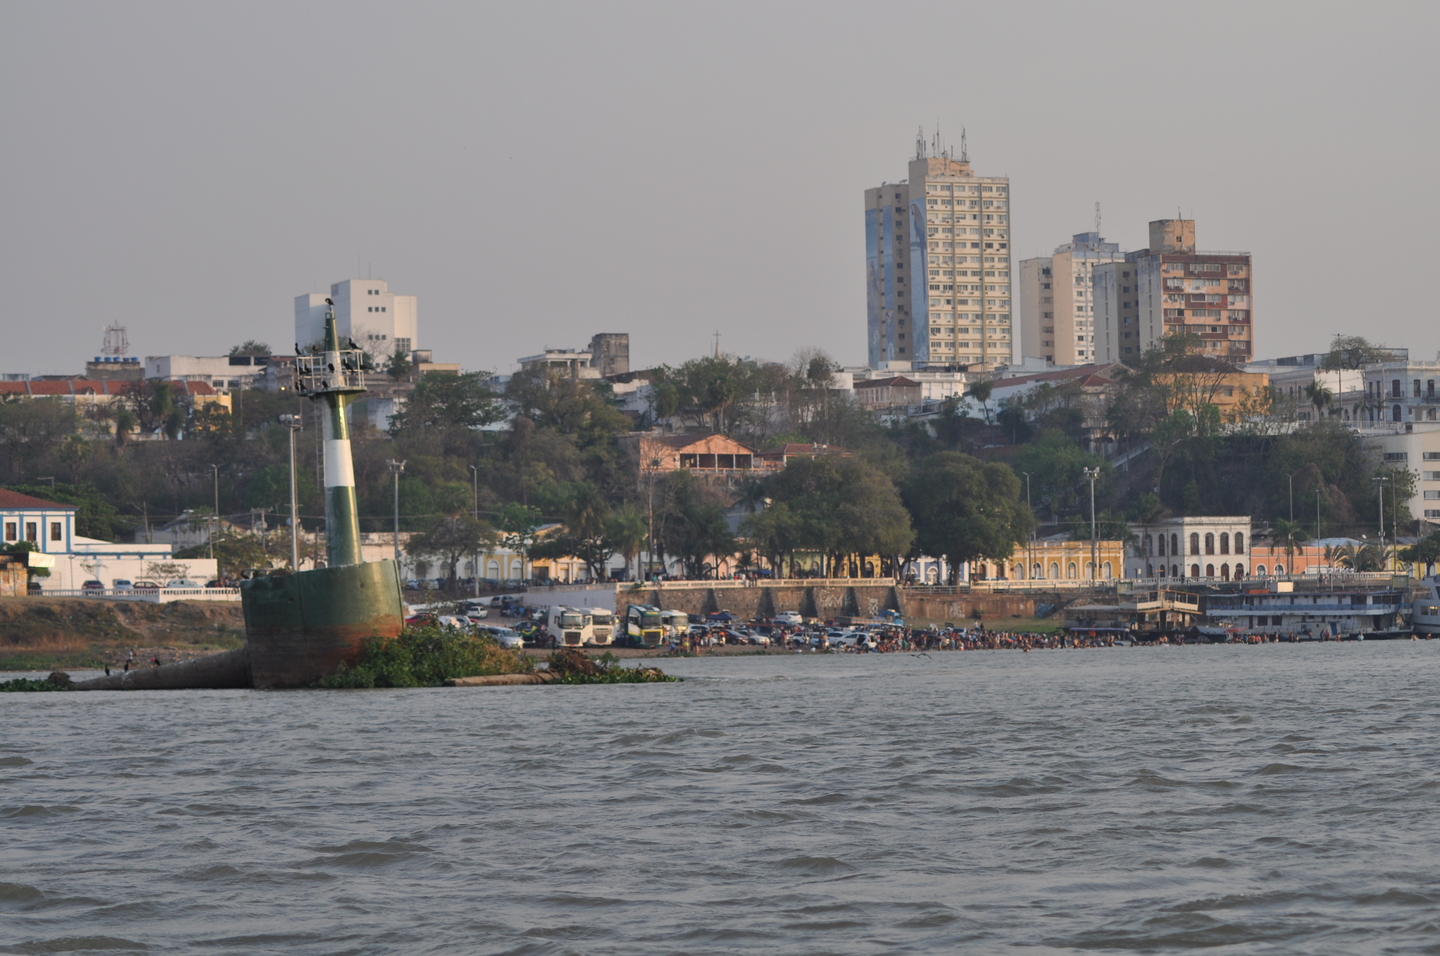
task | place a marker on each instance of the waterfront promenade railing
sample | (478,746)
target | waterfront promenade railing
(151,595)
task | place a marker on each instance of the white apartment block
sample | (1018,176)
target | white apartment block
(937,250)
(1057,303)
(1415,447)
(381,322)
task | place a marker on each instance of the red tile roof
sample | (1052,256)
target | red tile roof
(15,501)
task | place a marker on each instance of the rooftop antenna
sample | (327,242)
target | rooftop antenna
(1097,222)
(717,343)
(920,142)
(964,150)
(116,341)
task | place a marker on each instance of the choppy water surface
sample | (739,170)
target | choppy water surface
(1274,799)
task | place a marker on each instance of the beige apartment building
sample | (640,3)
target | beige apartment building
(938,266)
(1172,287)
(1057,304)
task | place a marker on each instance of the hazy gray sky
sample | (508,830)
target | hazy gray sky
(539,172)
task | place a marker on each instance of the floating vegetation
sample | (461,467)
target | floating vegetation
(58,680)
(572,667)
(425,657)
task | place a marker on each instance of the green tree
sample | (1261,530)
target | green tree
(1426,551)
(981,392)
(966,509)
(835,507)
(250,347)
(1057,475)
(626,531)
(1353,352)
(1289,535)
(398,366)
(95,517)
(30,429)
(451,538)
(447,400)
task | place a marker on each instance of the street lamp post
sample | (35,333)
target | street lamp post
(1380,488)
(1030,545)
(1092,474)
(396,467)
(215,521)
(292,424)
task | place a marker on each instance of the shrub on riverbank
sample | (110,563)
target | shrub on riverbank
(425,657)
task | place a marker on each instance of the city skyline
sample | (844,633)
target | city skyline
(187,171)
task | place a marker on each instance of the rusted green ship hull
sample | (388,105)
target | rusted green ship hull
(299,627)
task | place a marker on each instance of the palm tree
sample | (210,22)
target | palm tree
(1319,396)
(1290,536)
(981,392)
(627,531)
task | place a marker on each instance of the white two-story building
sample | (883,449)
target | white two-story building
(73,559)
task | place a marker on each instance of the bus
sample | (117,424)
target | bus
(602,626)
(644,626)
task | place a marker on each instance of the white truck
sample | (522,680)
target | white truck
(602,626)
(567,626)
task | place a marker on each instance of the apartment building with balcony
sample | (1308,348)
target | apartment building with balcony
(1171,287)
(937,248)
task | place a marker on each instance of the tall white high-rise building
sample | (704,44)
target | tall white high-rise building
(1057,300)
(381,322)
(937,249)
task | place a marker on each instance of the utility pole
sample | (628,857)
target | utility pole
(292,424)
(1092,474)
(475,490)
(1291,477)
(396,467)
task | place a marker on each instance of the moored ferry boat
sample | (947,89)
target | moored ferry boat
(1425,612)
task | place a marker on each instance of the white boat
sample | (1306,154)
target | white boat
(1425,612)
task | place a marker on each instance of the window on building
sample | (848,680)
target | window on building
(1194,543)
(12,531)
(1239,542)
(1224,542)
(32,531)
(55,531)
(1209,544)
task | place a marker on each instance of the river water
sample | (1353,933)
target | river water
(1232,799)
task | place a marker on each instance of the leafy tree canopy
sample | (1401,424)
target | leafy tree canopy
(966,509)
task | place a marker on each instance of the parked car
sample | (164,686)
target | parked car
(146,586)
(183,584)
(474,609)
(789,618)
(92,588)
(123,584)
(504,636)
